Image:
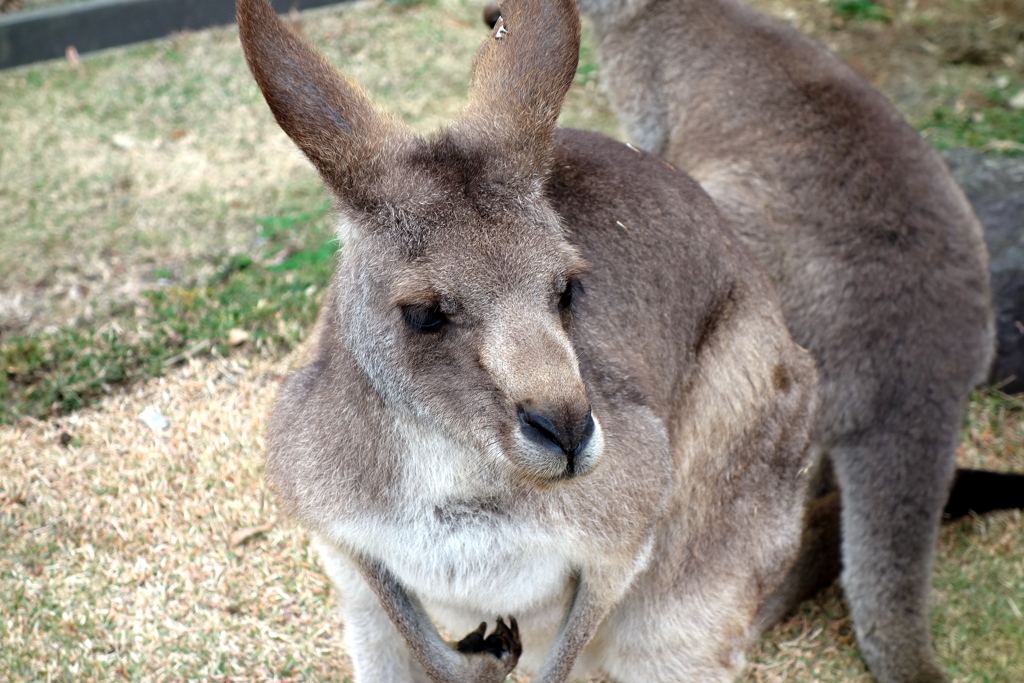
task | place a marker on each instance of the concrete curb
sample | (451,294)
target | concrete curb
(33,36)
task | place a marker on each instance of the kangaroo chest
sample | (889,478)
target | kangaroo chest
(466,555)
(457,540)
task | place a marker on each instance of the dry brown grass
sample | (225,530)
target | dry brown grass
(124,552)
(138,554)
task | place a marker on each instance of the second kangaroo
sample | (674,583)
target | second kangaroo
(878,260)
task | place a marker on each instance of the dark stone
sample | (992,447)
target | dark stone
(36,35)
(995,186)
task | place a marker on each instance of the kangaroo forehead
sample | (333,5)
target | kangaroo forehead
(499,270)
(440,220)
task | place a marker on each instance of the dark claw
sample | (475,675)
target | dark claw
(474,642)
(504,640)
(511,634)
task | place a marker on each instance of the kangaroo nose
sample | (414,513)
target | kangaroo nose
(569,435)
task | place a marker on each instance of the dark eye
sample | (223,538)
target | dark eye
(573,287)
(424,319)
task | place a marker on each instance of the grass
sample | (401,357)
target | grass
(270,304)
(144,159)
(121,558)
(861,10)
(152,207)
(980,598)
(146,555)
(991,124)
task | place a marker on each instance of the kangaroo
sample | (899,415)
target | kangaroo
(878,261)
(548,383)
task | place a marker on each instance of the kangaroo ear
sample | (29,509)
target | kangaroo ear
(521,75)
(329,117)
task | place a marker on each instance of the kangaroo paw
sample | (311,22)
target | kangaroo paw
(503,643)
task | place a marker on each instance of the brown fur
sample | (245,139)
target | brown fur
(548,382)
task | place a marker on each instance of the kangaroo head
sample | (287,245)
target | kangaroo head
(456,292)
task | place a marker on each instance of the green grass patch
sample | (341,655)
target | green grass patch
(994,411)
(991,125)
(273,298)
(861,10)
(979,595)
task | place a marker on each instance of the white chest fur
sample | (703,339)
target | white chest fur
(455,542)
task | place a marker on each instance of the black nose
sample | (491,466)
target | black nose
(568,435)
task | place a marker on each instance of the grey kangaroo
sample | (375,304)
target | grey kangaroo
(878,261)
(548,382)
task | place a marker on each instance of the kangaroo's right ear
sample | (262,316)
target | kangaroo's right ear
(323,112)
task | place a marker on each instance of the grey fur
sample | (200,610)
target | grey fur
(877,257)
(502,269)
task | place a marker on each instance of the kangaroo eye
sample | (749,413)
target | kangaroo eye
(424,319)
(572,288)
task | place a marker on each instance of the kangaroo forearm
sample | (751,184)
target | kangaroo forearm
(441,662)
(585,614)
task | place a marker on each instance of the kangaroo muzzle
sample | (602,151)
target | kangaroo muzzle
(534,365)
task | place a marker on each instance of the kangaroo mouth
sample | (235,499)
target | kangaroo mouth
(551,455)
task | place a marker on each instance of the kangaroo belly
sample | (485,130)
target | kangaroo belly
(469,562)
